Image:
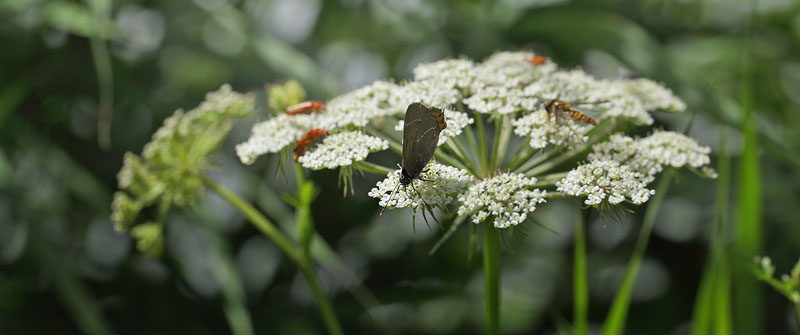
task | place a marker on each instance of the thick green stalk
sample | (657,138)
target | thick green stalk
(502,134)
(483,153)
(291,251)
(473,145)
(615,321)
(580,284)
(491,278)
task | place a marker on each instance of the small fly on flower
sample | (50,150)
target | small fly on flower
(537,60)
(305,142)
(306,107)
(558,109)
(421,130)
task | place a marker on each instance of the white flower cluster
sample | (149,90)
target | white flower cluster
(456,121)
(542,129)
(342,149)
(454,73)
(653,96)
(507,198)
(649,155)
(437,185)
(356,108)
(275,134)
(510,69)
(605,179)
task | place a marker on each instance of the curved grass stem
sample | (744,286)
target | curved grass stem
(288,248)
(615,321)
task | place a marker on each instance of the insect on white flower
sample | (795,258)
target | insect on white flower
(342,149)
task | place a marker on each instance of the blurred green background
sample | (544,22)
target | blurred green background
(81,83)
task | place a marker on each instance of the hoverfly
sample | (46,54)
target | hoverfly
(558,109)
(306,107)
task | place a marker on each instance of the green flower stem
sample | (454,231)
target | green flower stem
(579,281)
(483,154)
(457,153)
(615,321)
(496,155)
(558,196)
(505,136)
(393,144)
(291,251)
(549,180)
(491,278)
(524,153)
(372,168)
(466,162)
(448,160)
(473,144)
(537,169)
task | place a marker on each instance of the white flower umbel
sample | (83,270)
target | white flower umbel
(605,180)
(456,121)
(277,133)
(438,185)
(543,130)
(501,100)
(439,93)
(653,96)
(360,106)
(455,73)
(507,198)
(342,149)
(648,155)
(510,69)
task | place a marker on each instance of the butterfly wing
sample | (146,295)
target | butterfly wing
(420,136)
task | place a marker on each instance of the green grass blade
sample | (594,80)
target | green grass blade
(712,307)
(615,321)
(580,284)
(748,310)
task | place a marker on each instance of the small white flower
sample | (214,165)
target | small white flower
(276,133)
(649,155)
(605,179)
(501,100)
(505,197)
(543,130)
(360,106)
(456,73)
(439,93)
(437,185)
(342,149)
(510,69)
(653,95)
(456,121)
(572,86)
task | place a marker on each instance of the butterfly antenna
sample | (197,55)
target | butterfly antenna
(390,198)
